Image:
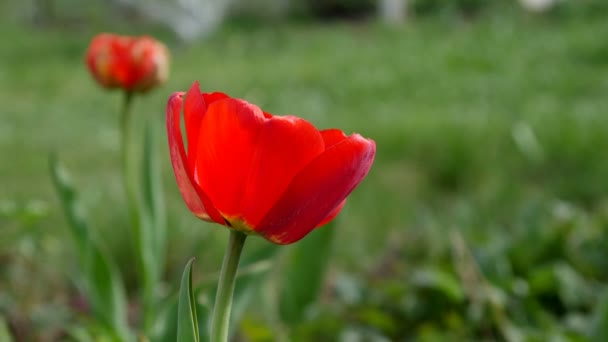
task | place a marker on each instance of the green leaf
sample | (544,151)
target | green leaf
(5,335)
(151,233)
(166,327)
(103,283)
(106,290)
(72,208)
(304,274)
(153,197)
(187,323)
(151,206)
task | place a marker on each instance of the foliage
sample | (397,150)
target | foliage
(187,323)
(484,217)
(102,283)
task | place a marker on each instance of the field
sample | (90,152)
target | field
(484,216)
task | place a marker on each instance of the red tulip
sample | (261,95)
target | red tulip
(277,176)
(130,63)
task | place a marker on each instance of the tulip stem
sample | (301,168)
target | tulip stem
(129,182)
(125,141)
(127,167)
(225,288)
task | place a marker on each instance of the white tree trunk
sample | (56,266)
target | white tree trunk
(538,6)
(189,19)
(393,11)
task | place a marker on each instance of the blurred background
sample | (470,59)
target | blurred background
(484,217)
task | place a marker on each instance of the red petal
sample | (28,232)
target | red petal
(195,199)
(286,145)
(194,110)
(332,215)
(230,129)
(332,136)
(195,106)
(318,190)
(215,96)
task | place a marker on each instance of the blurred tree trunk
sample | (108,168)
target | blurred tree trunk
(189,19)
(393,11)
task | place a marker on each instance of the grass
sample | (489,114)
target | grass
(489,128)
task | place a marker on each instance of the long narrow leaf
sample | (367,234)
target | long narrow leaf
(106,290)
(187,323)
(151,232)
(72,208)
(103,283)
(166,327)
(153,196)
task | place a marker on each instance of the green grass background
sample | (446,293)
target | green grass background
(490,133)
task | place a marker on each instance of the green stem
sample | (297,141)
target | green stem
(125,141)
(225,288)
(129,181)
(127,163)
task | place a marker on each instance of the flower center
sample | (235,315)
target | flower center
(238,224)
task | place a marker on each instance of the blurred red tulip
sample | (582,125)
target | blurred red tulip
(277,176)
(130,63)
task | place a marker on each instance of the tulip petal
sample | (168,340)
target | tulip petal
(332,215)
(194,110)
(195,106)
(196,200)
(318,190)
(332,136)
(229,133)
(131,63)
(285,146)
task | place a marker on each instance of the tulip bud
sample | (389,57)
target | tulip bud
(135,64)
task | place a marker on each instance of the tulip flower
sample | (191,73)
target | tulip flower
(256,173)
(276,176)
(135,64)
